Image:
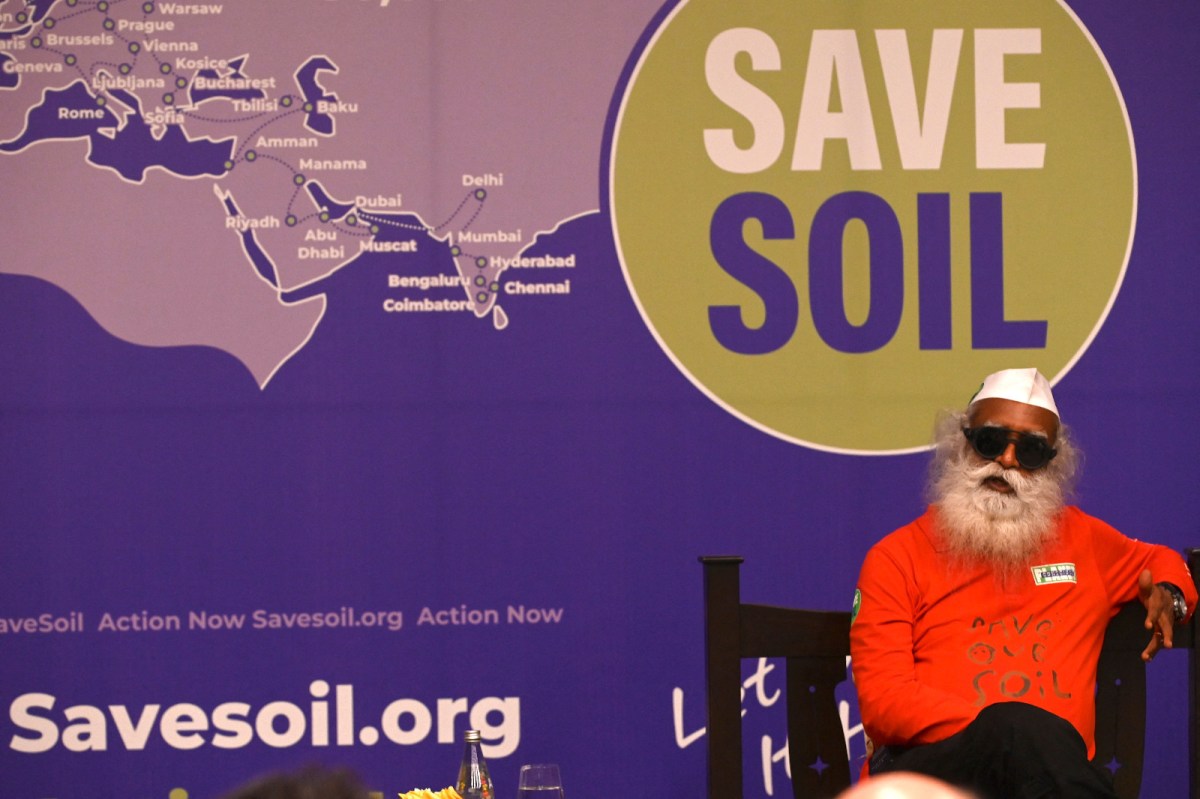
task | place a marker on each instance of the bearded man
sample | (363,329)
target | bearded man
(978,626)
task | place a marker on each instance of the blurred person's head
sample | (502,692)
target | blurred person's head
(313,782)
(903,785)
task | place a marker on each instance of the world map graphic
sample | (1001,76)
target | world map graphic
(198,173)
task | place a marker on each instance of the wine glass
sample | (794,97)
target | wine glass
(540,781)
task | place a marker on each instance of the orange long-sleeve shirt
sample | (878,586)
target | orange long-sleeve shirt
(933,642)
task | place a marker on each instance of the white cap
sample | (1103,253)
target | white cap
(1019,385)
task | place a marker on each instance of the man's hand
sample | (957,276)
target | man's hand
(1160,614)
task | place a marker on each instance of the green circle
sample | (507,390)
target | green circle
(682,148)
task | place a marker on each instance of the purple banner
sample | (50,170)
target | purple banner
(361,385)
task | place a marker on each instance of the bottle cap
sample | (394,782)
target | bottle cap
(471,736)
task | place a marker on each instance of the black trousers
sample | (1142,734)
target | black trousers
(1010,751)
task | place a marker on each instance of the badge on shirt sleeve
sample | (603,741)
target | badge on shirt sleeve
(1050,573)
(857,605)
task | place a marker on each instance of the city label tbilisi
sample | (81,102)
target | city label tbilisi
(462,615)
(256,106)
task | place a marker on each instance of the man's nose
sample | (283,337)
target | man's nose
(1008,458)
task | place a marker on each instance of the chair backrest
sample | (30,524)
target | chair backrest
(1121,699)
(816,644)
(1121,695)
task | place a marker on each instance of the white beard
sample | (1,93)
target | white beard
(1003,530)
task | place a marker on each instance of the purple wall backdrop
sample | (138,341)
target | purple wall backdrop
(404,462)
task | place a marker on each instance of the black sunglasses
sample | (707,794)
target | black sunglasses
(1033,452)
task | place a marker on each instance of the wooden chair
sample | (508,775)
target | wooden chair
(1121,695)
(815,645)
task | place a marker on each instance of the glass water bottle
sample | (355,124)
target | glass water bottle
(474,782)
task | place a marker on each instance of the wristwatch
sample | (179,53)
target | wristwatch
(1178,603)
